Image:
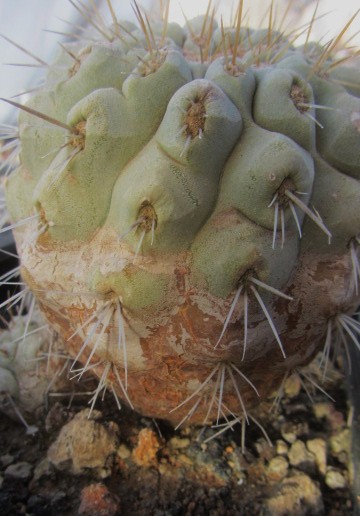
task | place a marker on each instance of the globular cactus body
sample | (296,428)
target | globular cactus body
(195,201)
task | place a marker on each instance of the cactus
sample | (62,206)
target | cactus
(186,210)
(31,365)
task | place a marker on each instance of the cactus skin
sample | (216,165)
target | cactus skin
(156,212)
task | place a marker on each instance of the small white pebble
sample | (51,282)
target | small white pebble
(335,480)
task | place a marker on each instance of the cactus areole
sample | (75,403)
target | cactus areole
(186,210)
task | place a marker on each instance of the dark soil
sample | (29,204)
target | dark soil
(180,475)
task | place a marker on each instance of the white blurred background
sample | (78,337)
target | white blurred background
(26,22)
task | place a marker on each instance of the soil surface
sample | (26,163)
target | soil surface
(119,463)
